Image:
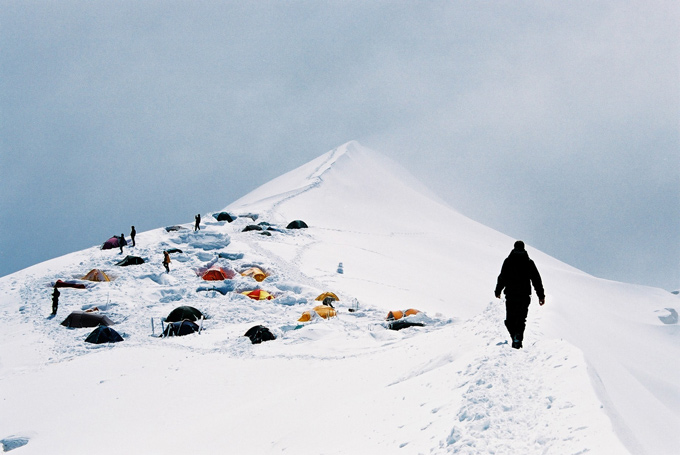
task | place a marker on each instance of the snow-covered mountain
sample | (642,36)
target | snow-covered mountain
(599,372)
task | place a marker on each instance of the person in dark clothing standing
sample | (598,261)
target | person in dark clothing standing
(55,301)
(121,242)
(517,275)
(132,235)
(197,226)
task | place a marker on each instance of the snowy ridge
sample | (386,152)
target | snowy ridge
(596,374)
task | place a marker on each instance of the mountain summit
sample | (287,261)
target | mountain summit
(598,372)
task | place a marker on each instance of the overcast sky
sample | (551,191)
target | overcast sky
(554,122)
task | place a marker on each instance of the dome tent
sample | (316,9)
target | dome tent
(217,273)
(256,273)
(182,313)
(321,310)
(130,260)
(223,216)
(96,275)
(78,319)
(103,334)
(297,224)
(258,334)
(178,329)
(258,294)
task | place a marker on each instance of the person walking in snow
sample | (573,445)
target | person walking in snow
(197,226)
(55,301)
(518,273)
(166,261)
(132,235)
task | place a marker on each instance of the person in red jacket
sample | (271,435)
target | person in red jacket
(517,275)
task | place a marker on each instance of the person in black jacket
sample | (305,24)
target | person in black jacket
(55,300)
(517,275)
(133,233)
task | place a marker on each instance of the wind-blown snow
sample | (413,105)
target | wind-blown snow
(599,372)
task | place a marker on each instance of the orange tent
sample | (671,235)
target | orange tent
(256,273)
(395,315)
(322,310)
(323,296)
(216,273)
(96,275)
(258,294)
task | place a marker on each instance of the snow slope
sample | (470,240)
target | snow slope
(599,372)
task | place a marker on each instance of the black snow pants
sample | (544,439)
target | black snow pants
(516,309)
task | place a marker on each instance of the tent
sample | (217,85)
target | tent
(130,260)
(217,273)
(258,294)
(297,224)
(322,310)
(256,273)
(69,284)
(182,313)
(323,296)
(395,315)
(78,319)
(103,334)
(252,227)
(173,250)
(402,324)
(96,275)
(174,228)
(178,329)
(258,334)
(113,242)
(223,216)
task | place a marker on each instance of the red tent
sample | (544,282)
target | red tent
(113,242)
(217,273)
(67,284)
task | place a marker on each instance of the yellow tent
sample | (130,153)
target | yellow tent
(96,275)
(395,315)
(322,310)
(256,273)
(258,294)
(327,294)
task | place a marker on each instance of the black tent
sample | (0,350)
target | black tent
(297,224)
(79,319)
(184,312)
(103,334)
(223,216)
(173,250)
(258,334)
(402,324)
(130,260)
(178,329)
(252,227)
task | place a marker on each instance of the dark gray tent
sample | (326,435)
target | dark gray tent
(79,319)
(297,224)
(130,260)
(258,334)
(103,334)
(252,227)
(223,216)
(402,324)
(178,329)
(184,312)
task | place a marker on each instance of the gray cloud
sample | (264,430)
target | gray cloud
(554,123)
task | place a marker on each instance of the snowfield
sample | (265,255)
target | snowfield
(599,372)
